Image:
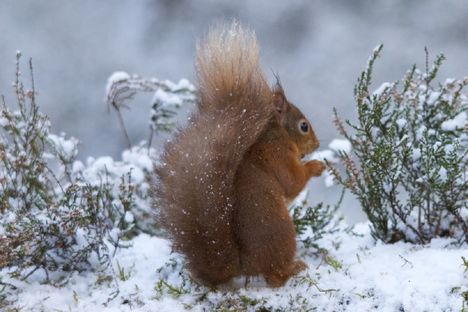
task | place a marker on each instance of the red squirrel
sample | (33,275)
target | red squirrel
(226,179)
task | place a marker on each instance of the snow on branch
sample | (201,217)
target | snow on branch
(168,97)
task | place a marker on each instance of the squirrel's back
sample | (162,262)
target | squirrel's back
(195,188)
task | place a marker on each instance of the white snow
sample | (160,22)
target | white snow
(136,160)
(116,77)
(167,98)
(3,120)
(324,155)
(416,154)
(66,147)
(328,179)
(384,87)
(443,174)
(182,84)
(449,81)
(129,218)
(342,145)
(401,122)
(370,277)
(433,96)
(458,122)
(138,157)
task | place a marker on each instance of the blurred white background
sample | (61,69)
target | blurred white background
(317,47)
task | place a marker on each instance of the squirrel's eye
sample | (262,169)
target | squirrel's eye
(304,127)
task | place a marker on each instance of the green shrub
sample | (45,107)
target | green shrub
(314,222)
(408,163)
(51,218)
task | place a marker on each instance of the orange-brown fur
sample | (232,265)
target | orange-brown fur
(228,176)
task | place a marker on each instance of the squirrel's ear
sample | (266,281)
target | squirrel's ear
(280,103)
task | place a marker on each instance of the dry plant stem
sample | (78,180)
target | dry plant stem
(122,125)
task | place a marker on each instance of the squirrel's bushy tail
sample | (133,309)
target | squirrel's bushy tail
(195,190)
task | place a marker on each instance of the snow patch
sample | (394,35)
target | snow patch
(3,121)
(340,145)
(401,123)
(324,155)
(458,122)
(66,147)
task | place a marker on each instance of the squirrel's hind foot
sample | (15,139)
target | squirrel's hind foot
(279,277)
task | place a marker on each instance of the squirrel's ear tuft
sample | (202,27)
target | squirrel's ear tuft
(280,102)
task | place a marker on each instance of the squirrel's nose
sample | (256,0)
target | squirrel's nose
(315,144)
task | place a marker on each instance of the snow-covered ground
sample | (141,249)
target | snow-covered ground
(358,274)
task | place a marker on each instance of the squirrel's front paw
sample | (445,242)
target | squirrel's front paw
(315,167)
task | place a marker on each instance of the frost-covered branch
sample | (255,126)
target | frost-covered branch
(167,98)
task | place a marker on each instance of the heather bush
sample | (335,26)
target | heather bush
(51,217)
(58,214)
(408,163)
